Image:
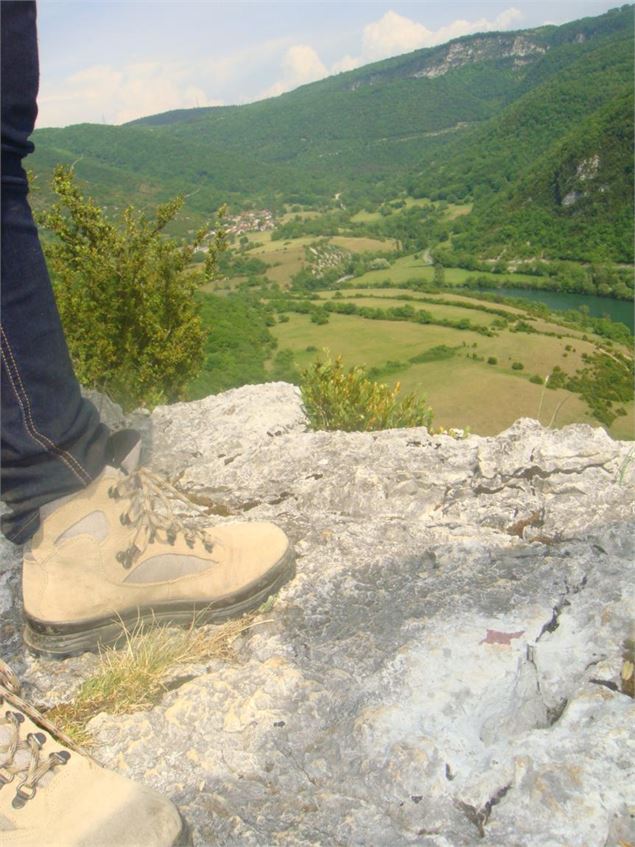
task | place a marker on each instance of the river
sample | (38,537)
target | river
(616,310)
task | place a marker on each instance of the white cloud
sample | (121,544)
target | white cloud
(346,63)
(300,64)
(394,34)
(103,93)
(507,18)
(391,35)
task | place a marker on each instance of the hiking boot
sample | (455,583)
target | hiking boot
(53,793)
(115,556)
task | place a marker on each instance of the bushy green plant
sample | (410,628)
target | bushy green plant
(517,366)
(434,354)
(557,378)
(339,399)
(126,296)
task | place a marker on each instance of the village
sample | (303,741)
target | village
(253,220)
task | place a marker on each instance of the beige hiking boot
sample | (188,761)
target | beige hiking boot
(115,553)
(52,794)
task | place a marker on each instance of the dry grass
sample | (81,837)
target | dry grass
(134,677)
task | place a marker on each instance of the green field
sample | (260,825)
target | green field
(438,312)
(474,384)
(410,267)
(463,392)
(364,244)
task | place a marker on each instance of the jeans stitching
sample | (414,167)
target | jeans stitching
(38,437)
(21,527)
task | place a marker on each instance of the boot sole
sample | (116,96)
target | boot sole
(61,641)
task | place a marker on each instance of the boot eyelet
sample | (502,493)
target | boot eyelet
(123,558)
(23,793)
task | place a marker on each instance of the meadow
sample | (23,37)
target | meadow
(493,368)
(462,391)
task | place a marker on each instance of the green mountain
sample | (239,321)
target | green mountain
(574,201)
(531,126)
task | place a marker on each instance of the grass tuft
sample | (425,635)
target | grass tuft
(134,677)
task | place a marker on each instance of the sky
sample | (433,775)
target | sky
(110,61)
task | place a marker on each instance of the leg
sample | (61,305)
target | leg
(113,551)
(52,440)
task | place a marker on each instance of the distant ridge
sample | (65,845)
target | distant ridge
(492,119)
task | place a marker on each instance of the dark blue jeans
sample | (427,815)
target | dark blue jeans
(53,442)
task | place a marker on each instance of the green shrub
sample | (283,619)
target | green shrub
(336,399)
(378,264)
(126,296)
(523,326)
(492,360)
(557,378)
(517,366)
(434,354)
(536,379)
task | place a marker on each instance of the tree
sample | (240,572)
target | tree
(439,274)
(126,295)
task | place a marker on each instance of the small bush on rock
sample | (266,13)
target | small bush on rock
(348,400)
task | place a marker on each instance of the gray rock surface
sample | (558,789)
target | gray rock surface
(444,670)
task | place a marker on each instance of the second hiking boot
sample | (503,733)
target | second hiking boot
(52,794)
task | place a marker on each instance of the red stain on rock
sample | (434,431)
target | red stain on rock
(494,636)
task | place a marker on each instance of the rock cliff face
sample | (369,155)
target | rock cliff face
(445,668)
(520,48)
(513,50)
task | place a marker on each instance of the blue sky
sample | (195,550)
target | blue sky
(114,60)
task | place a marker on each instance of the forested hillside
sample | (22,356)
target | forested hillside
(533,129)
(574,201)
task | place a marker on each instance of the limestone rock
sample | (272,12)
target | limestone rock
(444,670)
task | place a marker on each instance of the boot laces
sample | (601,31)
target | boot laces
(21,757)
(151,515)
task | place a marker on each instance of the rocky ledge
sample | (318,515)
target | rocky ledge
(444,670)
